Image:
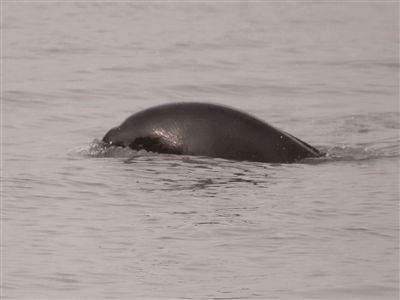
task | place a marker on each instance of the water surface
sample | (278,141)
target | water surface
(82,222)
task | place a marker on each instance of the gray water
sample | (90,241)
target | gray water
(80,221)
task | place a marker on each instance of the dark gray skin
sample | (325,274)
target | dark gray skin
(205,129)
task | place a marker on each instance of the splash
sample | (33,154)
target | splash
(97,148)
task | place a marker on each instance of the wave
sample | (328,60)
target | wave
(98,149)
(345,152)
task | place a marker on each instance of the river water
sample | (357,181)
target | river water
(82,222)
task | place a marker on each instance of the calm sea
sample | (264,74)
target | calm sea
(79,222)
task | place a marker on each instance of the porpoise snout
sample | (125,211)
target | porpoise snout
(110,139)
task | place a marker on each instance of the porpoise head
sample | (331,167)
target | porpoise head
(154,141)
